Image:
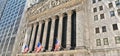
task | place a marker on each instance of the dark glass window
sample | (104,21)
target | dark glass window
(102,16)
(106,42)
(11,44)
(117,39)
(94,1)
(95,9)
(95,17)
(98,42)
(110,5)
(100,8)
(115,27)
(118,12)
(104,29)
(112,13)
(99,0)
(117,2)
(97,30)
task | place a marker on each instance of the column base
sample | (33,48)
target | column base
(72,48)
(44,50)
(80,47)
(30,51)
(68,47)
(61,49)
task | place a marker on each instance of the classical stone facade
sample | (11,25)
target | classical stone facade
(71,23)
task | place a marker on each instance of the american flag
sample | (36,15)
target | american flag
(26,49)
(57,46)
(38,48)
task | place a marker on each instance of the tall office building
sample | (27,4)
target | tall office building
(2,6)
(105,27)
(9,24)
(82,27)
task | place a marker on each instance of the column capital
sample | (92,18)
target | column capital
(46,20)
(35,24)
(61,15)
(29,25)
(40,22)
(69,12)
(53,17)
(78,9)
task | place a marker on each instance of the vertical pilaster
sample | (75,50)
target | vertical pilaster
(38,34)
(60,29)
(80,29)
(32,37)
(52,33)
(69,29)
(28,34)
(45,34)
(27,37)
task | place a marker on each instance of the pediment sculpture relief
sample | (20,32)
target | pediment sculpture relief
(47,5)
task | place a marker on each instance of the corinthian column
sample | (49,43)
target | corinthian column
(52,33)
(69,30)
(32,37)
(60,29)
(38,34)
(45,34)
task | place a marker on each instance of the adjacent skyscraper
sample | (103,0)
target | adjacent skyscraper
(9,24)
(2,5)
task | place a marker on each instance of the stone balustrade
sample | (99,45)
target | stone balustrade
(82,52)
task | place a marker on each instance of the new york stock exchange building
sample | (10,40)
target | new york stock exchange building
(60,28)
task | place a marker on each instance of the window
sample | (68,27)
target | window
(98,42)
(117,3)
(95,9)
(100,8)
(21,10)
(115,27)
(99,0)
(94,1)
(104,29)
(12,41)
(110,5)
(97,30)
(102,16)
(106,41)
(117,39)
(112,13)
(95,17)
(118,12)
